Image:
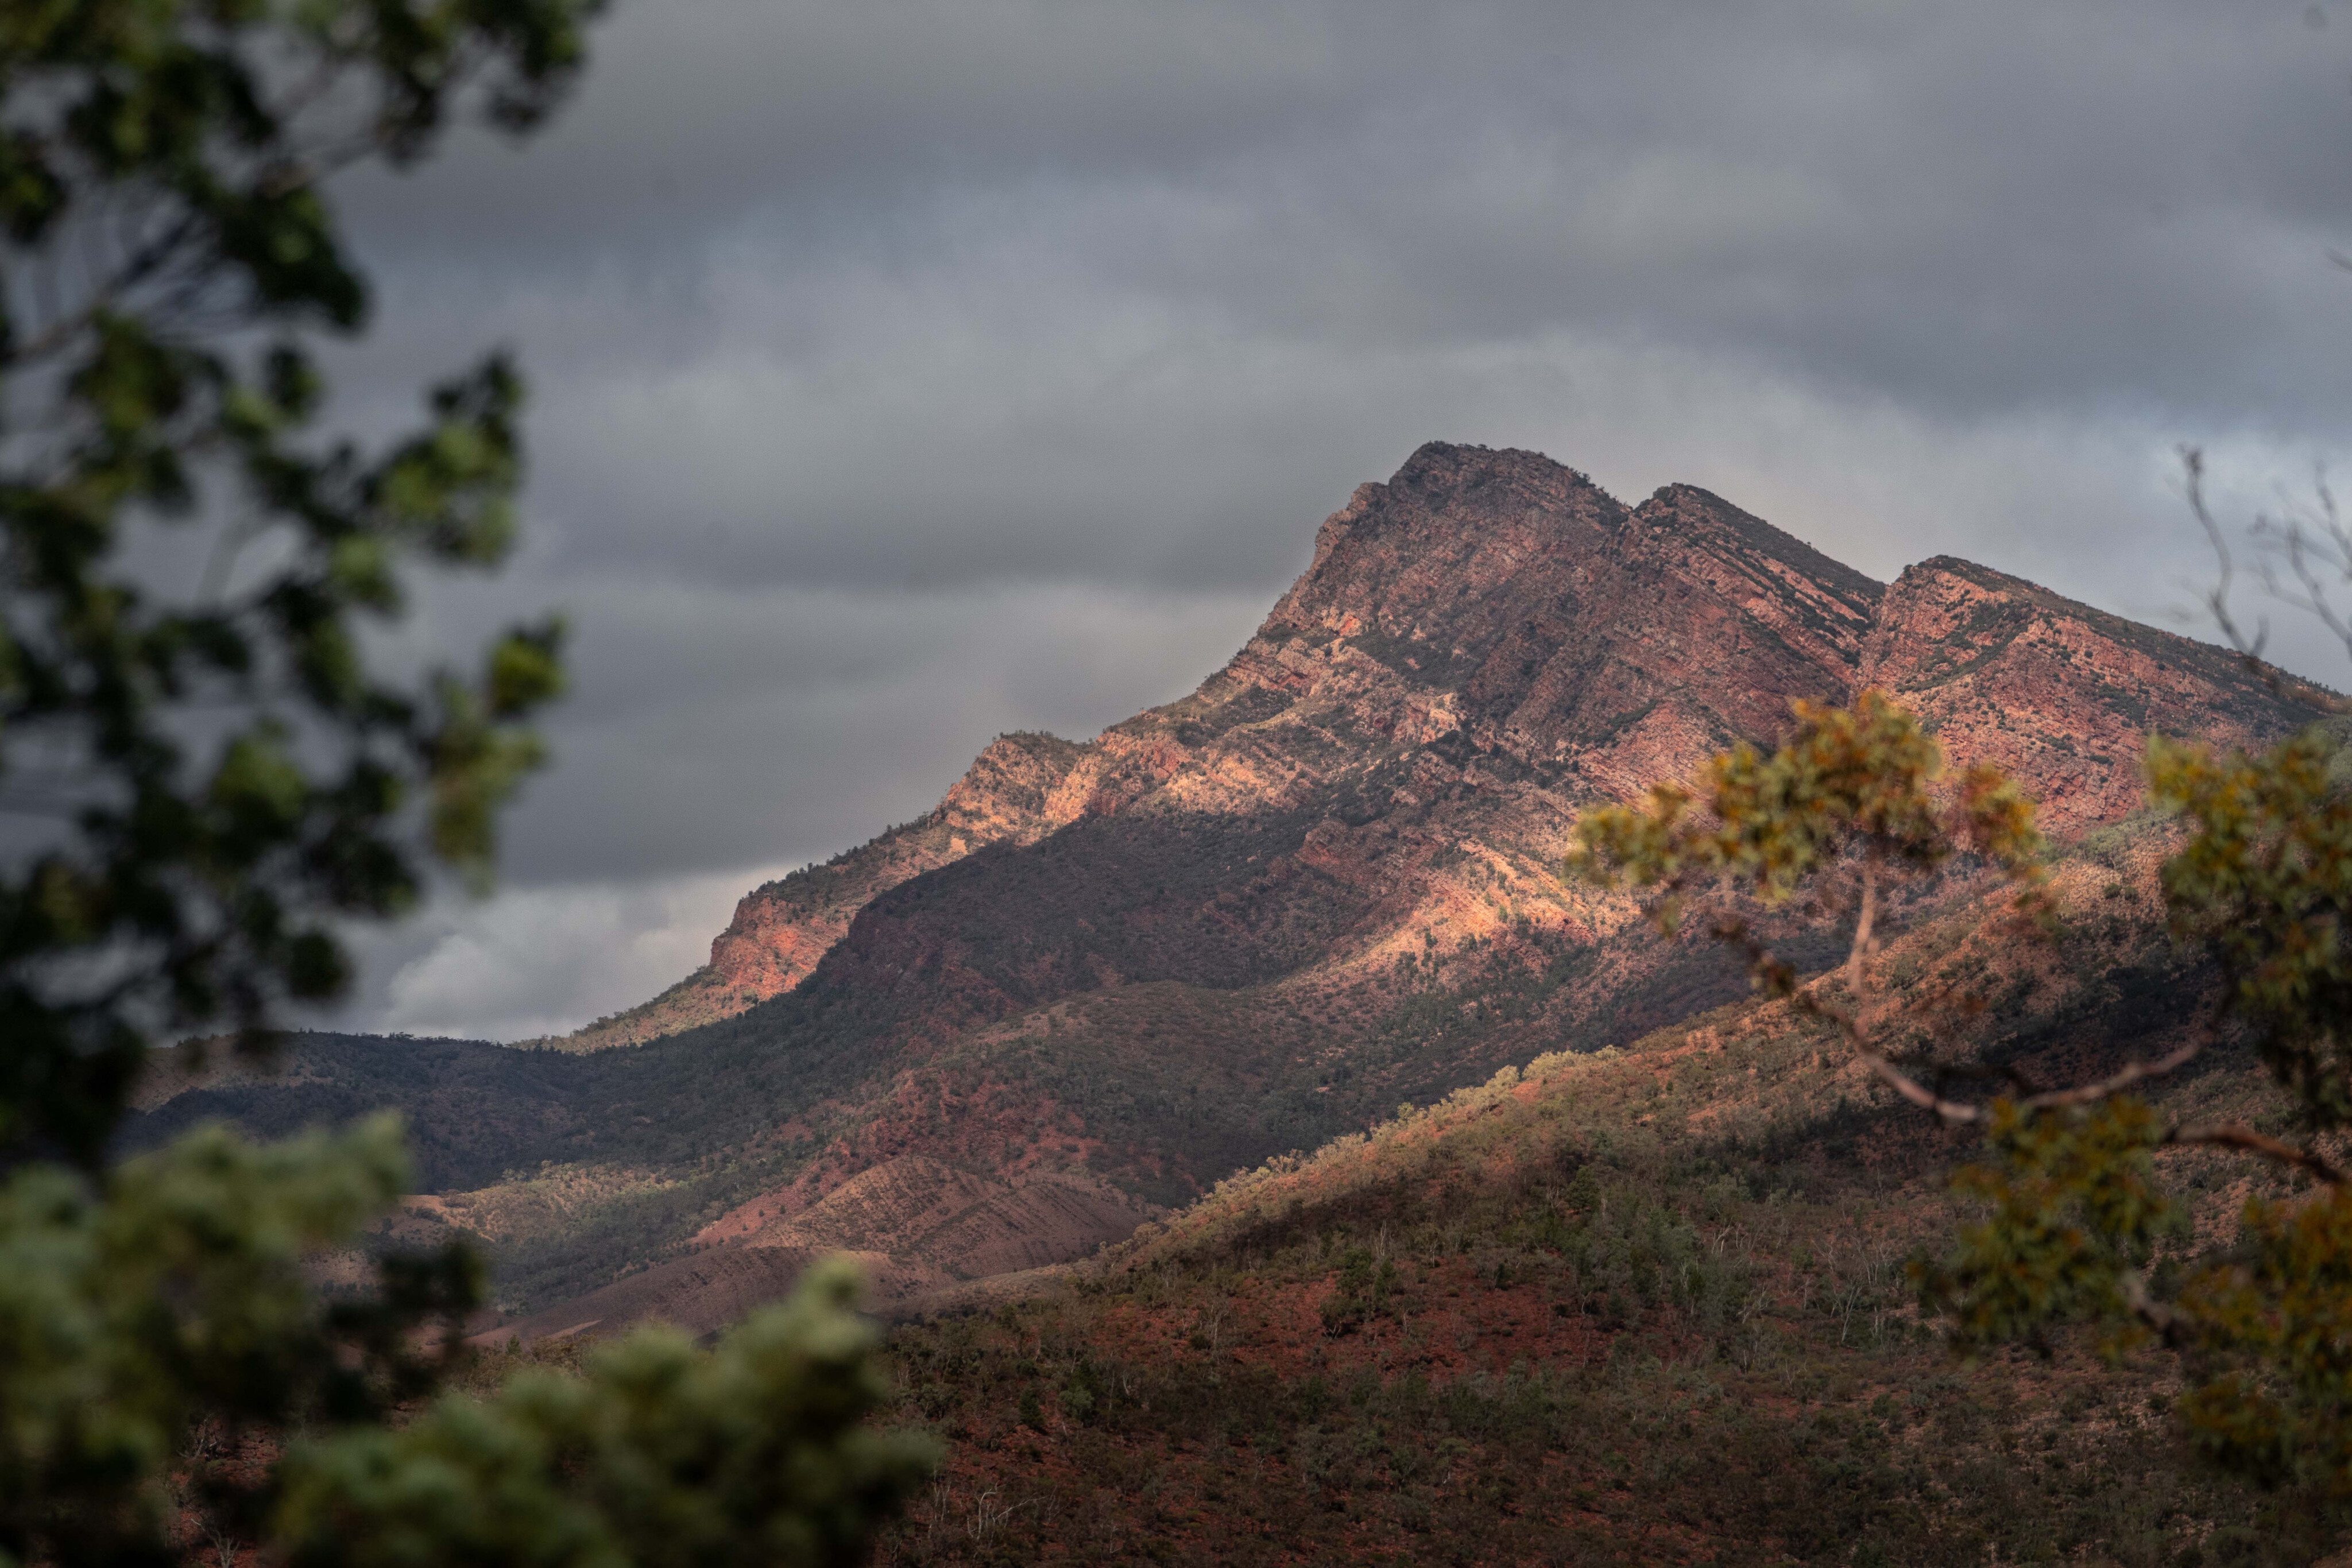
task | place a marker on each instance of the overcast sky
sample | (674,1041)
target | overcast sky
(907,373)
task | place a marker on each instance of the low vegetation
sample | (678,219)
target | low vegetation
(1570,1315)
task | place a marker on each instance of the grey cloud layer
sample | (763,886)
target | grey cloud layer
(1977,202)
(905,372)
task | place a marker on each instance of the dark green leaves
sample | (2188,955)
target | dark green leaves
(2274,1330)
(139,1329)
(757,1452)
(2071,1217)
(222,769)
(178,1297)
(223,775)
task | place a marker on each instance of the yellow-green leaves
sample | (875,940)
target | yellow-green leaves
(479,754)
(2267,880)
(526,669)
(2071,1225)
(1851,779)
(259,787)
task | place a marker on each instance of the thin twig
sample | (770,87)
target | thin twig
(1860,952)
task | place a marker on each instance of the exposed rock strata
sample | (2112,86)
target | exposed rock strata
(2059,694)
(1496,605)
(916,1229)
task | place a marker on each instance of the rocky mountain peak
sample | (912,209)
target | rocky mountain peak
(1101,975)
(1427,551)
(1489,625)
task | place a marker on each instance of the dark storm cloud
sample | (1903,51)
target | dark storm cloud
(1972,200)
(905,372)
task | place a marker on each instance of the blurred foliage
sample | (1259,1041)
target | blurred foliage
(2267,881)
(660,1454)
(161,1347)
(210,758)
(2071,1225)
(2072,1214)
(149,1334)
(2273,1329)
(1858,778)
(202,767)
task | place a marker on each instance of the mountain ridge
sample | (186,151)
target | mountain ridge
(1324,882)
(1379,576)
(1025,784)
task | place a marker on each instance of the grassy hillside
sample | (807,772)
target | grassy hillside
(574,1169)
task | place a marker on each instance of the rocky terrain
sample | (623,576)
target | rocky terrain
(1101,976)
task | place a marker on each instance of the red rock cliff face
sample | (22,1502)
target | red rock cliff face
(1481,646)
(1327,881)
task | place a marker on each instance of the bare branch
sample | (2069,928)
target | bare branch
(2133,1072)
(1955,1113)
(2147,1308)
(2312,600)
(133,271)
(2238,1135)
(1859,954)
(2217,598)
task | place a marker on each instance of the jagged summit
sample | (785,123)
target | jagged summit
(1744,535)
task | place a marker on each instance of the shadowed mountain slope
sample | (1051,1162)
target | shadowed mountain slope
(1324,882)
(781,928)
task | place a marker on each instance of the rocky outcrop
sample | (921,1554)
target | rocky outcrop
(928,1214)
(914,1227)
(2060,695)
(1099,976)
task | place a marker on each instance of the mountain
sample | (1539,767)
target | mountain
(1501,597)
(1102,975)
